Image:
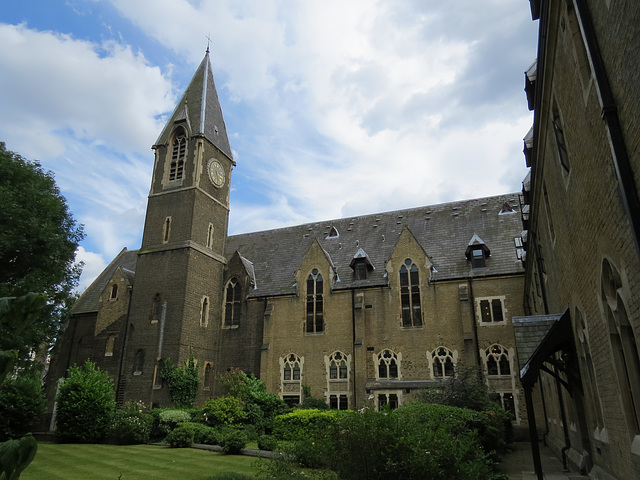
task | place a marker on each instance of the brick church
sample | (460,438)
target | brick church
(540,290)
(363,310)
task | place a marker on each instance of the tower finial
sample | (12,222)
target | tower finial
(208,41)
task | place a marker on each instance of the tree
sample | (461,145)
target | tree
(85,404)
(16,315)
(38,240)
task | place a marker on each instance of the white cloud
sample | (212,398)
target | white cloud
(333,108)
(94,264)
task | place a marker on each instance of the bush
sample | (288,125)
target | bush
(85,404)
(415,441)
(132,426)
(231,476)
(200,432)
(21,403)
(224,411)
(306,423)
(180,437)
(170,419)
(267,442)
(232,441)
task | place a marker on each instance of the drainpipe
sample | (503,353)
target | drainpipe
(353,345)
(473,322)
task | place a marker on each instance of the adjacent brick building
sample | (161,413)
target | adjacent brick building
(582,220)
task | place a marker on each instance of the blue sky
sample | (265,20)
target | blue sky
(333,108)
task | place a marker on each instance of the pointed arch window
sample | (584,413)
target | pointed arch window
(410,294)
(315,320)
(178,153)
(204,312)
(338,366)
(233,304)
(138,362)
(210,236)
(166,231)
(111,343)
(442,363)
(388,366)
(623,343)
(291,378)
(497,360)
(114,292)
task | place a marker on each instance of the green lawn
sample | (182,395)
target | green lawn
(135,462)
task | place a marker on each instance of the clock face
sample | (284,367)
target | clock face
(216,173)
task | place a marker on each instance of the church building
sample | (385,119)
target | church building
(362,310)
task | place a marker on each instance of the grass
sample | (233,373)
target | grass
(139,462)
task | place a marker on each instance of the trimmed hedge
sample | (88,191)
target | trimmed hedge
(303,424)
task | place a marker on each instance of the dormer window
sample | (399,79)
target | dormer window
(360,270)
(477,252)
(361,264)
(477,258)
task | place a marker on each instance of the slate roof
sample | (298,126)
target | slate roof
(530,332)
(200,107)
(89,301)
(444,232)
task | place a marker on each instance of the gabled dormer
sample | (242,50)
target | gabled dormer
(477,252)
(361,265)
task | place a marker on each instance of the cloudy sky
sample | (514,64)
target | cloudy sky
(333,108)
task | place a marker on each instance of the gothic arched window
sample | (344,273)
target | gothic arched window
(178,153)
(138,362)
(338,366)
(388,364)
(233,304)
(291,370)
(442,363)
(315,321)
(623,343)
(410,294)
(497,360)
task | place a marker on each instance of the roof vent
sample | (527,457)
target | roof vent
(333,233)
(506,209)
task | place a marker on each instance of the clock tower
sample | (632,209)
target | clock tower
(176,299)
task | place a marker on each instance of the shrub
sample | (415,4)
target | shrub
(21,403)
(210,436)
(305,423)
(200,432)
(132,426)
(225,411)
(169,419)
(231,476)
(85,404)
(232,441)
(267,442)
(466,390)
(180,437)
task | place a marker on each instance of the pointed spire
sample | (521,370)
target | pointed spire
(200,109)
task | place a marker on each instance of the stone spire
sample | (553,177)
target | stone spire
(199,110)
